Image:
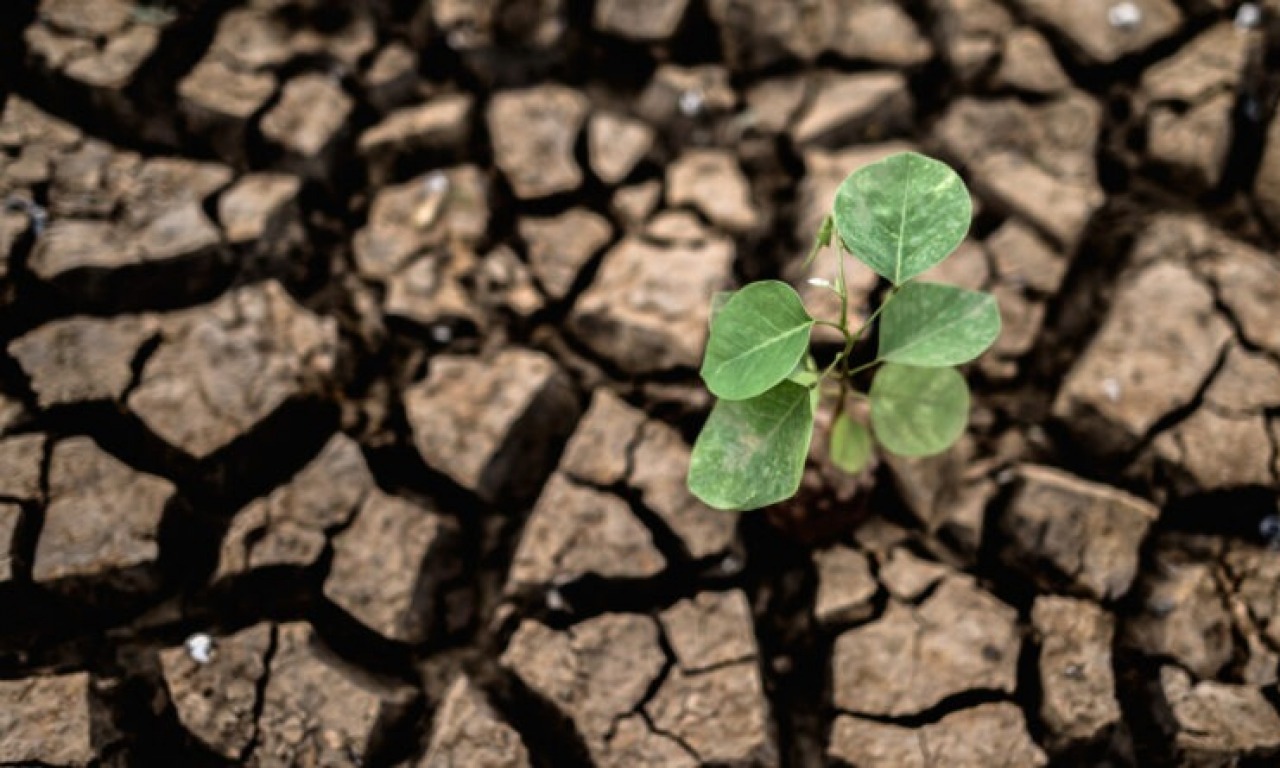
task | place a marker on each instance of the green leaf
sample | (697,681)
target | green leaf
(751,453)
(936,326)
(850,445)
(756,341)
(903,215)
(718,300)
(821,241)
(918,411)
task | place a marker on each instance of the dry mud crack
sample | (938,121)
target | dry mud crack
(348,375)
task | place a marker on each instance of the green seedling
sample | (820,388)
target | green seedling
(900,216)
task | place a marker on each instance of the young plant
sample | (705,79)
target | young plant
(900,216)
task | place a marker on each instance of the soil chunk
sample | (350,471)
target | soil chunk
(222,369)
(54,720)
(1216,724)
(969,639)
(1183,615)
(1029,64)
(616,144)
(847,109)
(439,127)
(845,586)
(575,531)
(592,673)
(1097,37)
(1266,186)
(1067,532)
(710,630)
(647,310)
(986,736)
(1142,366)
(533,132)
(216,699)
(389,565)
(493,426)
(259,206)
(712,182)
(308,120)
(289,527)
(561,246)
(468,732)
(10,519)
(316,710)
(82,359)
(721,715)
(642,20)
(21,465)
(1078,705)
(102,522)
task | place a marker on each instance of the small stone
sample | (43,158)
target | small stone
(82,359)
(845,586)
(102,523)
(616,144)
(290,526)
(1160,360)
(493,426)
(222,369)
(1068,532)
(311,114)
(216,694)
(216,98)
(710,630)
(1078,702)
(647,310)
(21,465)
(593,673)
(711,181)
(575,531)
(389,565)
(963,639)
(853,108)
(1214,723)
(316,710)
(634,743)
(675,228)
(1183,616)
(773,103)
(907,577)
(52,720)
(468,732)
(1104,31)
(440,127)
(431,291)
(257,206)
(533,132)
(1029,64)
(104,20)
(559,247)
(641,20)
(985,736)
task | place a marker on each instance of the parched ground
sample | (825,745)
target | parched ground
(347,381)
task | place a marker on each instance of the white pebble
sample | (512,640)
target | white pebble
(436,182)
(200,648)
(1111,388)
(556,601)
(1125,16)
(819,282)
(691,103)
(441,334)
(1248,16)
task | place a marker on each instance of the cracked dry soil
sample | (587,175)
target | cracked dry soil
(348,377)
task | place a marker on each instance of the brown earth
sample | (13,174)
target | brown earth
(347,383)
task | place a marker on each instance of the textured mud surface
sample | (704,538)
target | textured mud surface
(347,379)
